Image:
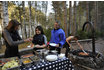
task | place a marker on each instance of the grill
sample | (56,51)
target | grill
(93,59)
(80,53)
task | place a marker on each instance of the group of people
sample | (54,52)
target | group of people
(12,38)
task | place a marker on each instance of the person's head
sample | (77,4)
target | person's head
(76,37)
(13,25)
(57,24)
(39,30)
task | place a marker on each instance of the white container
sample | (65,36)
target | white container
(61,55)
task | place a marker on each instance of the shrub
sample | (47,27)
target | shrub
(82,34)
(47,32)
(85,35)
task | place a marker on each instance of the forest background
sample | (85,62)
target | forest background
(72,17)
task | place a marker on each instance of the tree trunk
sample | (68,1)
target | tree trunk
(46,10)
(72,26)
(79,23)
(1,15)
(75,15)
(70,16)
(5,13)
(20,18)
(24,24)
(1,23)
(96,17)
(87,12)
(65,19)
(30,23)
(35,14)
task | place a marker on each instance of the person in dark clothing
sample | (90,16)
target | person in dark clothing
(67,44)
(68,40)
(12,39)
(39,39)
(57,37)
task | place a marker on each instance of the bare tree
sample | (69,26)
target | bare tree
(46,9)
(79,15)
(58,9)
(35,12)
(30,23)
(70,17)
(5,13)
(1,15)
(1,22)
(65,19)
(96,14)
(75,18)
(87,11)
(72,21)
(20,14)
(97,9)
(24,24)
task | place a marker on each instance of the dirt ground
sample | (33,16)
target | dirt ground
(99,47)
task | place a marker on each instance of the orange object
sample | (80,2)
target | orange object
(27,55)
(82,53)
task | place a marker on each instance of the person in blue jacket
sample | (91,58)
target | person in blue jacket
(57,37)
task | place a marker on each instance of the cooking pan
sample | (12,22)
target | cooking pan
(77,53)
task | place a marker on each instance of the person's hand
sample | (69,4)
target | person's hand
(57,45)
(44,46)
(37,46)
(30,39)
(27,40)
(32,45)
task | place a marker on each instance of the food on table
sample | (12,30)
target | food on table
(52,44)
(51,57)
(35,58)
(27,60)
(82,53)
(1,63)
(61,55)
(54,51)
(10,64)
(27,55)
(5,60)
(46,52)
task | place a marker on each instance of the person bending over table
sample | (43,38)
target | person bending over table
(12,39)
(39,39)
(57,37)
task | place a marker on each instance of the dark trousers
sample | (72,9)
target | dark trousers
(55,48)
(67,49)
